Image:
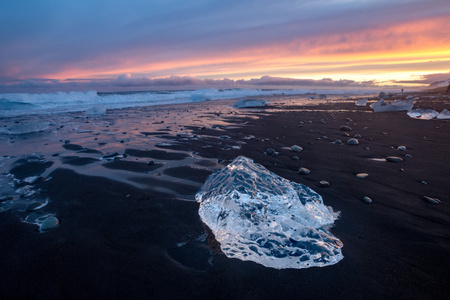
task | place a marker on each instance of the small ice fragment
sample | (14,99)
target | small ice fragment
(367,200)
(444,114)
(361,102)
(401,148)
(324,183)
(96,110)
(423,114)
(398,105)
(362,175)
(249,103)
(296,148)
(24,128)
(432,200)
(30,179)
(259,216)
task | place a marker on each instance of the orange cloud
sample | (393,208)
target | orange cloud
(409,48)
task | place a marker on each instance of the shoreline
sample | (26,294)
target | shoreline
(123,187)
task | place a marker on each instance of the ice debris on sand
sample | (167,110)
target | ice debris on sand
(361,102)
(259,216)
(428,114)
(96,110)
(444,114)
(397,105)
(25,127)
(248,103)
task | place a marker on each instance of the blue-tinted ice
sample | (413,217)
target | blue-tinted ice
(259,216)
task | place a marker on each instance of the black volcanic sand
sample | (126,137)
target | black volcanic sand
(116,240)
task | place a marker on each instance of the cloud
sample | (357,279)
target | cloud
(60,39)
(128,82)
(325,82)
(433,80)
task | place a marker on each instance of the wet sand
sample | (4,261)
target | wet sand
(122,186)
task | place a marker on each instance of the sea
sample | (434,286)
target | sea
(16,104)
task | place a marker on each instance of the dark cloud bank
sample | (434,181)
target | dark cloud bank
(127,82)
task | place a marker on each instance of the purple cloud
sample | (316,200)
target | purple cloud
(127,82)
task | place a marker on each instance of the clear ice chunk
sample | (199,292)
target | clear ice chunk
(423,114)
(249,103)
(259,216)
(444,114)
(397,105)
(361,102)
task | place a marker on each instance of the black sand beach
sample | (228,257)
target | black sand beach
(122,186)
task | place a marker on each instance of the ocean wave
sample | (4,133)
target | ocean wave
(14,104)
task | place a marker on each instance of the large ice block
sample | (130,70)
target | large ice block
(259,216)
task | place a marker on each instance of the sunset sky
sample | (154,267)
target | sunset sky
(86,44)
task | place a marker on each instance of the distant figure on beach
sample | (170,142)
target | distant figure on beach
(448,89)
(402,90)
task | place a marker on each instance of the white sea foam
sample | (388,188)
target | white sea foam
(14,104)
(259,216)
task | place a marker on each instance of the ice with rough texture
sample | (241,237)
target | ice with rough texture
(361,102)
(397,105)
(423,114)
(259,216)
(25,127)
(248,103)
(444,114)
(429,114)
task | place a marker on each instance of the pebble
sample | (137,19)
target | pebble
(362,175)
(432,200)
(408,156)
(271,152)
(296,148)
(338,142)
(395,159)
(357,136)
(367,200)
(346,128)
(401,148)
(295,158)
(49,223)
(324,183)
(423,182)
(304,171)
(352,142)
